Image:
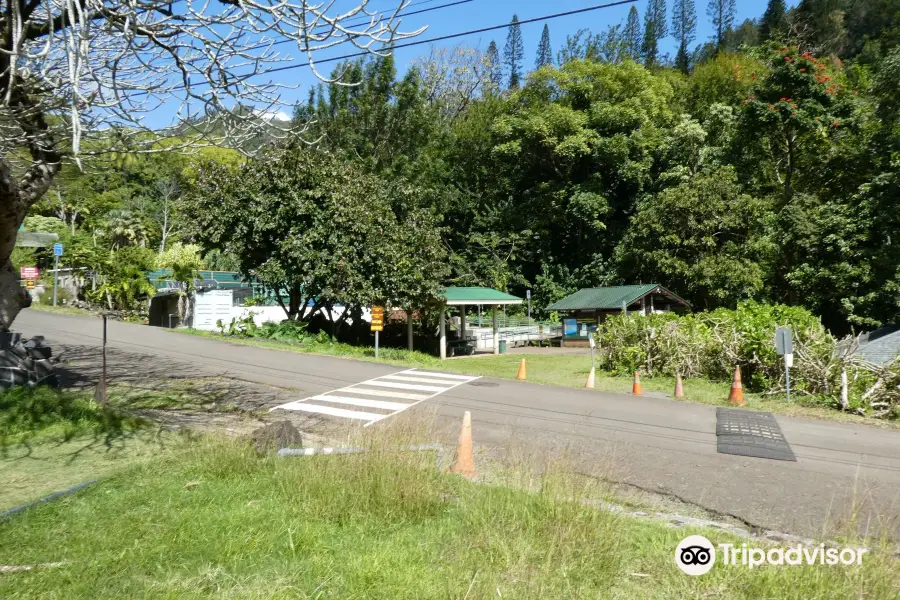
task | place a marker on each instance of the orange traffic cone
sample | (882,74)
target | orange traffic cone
(590,380)
(679,386)
(522,373)
(636,388)
(737,389)
(465,458)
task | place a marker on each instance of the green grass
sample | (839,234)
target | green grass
(42,467)
(52,439)
(214,520)
(569,370)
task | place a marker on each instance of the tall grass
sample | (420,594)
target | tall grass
(217,520)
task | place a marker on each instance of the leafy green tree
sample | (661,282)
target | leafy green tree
(684,27)
(632,35)
(513,53)
(544,51)
(793,111)
(704,237)
(655,29)
(320,232)
(721,13)
(774,23)
(572,153)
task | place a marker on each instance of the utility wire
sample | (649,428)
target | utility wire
(435,39)
(385,18)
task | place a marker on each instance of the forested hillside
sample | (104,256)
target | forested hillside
(763,164)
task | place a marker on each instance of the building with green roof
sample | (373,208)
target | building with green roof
(584,310)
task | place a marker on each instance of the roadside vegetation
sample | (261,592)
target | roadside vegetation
(216,520)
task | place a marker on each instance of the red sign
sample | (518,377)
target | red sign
(29,272)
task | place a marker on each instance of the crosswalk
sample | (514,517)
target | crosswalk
(379,398)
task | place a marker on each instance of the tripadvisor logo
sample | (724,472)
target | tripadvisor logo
(696,555)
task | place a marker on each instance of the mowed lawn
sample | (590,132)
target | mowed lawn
(215,520)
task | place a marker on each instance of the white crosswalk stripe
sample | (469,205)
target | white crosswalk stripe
(408,386)
(383,404)
(403,385)
(420,380)
(383,393)
(417,373)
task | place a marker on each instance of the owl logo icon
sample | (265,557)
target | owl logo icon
(695,555)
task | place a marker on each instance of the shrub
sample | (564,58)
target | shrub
(708,344)
(711,344)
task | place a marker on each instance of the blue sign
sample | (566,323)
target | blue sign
(570,327)
(57,249)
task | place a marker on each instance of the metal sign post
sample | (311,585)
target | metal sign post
(784,346)
(100,392)
(377,324)
(528,295)
(57,252)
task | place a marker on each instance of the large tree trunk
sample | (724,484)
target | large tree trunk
(13,297)
(17,197)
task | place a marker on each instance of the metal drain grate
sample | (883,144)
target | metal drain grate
(484,384)
(748,433)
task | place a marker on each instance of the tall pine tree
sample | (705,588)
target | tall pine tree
(544,51)
(632,35)
(774,21)
(513,52)
(493,75)
(684,26)
(655,29)
(721,12)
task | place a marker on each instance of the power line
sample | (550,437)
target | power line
(363,22)
(440,38)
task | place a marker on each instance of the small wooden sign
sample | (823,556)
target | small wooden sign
(377,318)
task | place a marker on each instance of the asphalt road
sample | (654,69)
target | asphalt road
(654,444)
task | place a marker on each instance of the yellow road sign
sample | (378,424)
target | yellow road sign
(29,284)
(377,318)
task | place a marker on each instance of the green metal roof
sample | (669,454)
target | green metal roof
(609,298)
(460,296)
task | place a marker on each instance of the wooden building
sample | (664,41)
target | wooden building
(587,308)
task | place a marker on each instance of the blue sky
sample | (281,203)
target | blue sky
(484,13)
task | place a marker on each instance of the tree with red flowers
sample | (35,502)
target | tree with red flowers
(793,109)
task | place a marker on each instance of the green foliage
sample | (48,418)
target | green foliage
(317,228)
(185,262)
(124,278)
(544,51)
(703,235)
(707,344)
(513,53)
(287,331)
